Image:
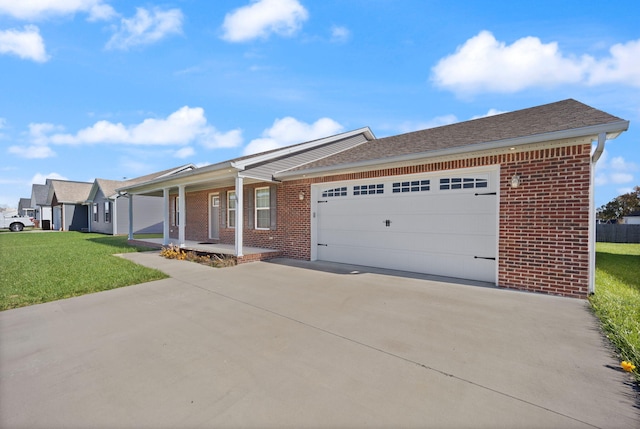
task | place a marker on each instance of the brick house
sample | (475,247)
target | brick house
(506,199)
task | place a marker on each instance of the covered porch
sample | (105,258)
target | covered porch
(224,175)
(249,253)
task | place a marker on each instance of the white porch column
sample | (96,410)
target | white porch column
(130,216)
(182,208)
(239,216)
(165,224)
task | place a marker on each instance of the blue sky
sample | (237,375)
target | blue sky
(113,89)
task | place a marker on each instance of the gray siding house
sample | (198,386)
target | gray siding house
(67,200)
(109,210)
(24,207)
(42,210)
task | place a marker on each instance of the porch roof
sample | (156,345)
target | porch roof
(261,167)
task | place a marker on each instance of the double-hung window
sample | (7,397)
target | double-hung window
(107,211)
(176,212)
(95,212)
(231,209)
(263,209)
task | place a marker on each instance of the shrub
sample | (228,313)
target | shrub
(210,259)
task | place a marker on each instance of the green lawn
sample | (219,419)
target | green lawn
(38,267)
(617,298)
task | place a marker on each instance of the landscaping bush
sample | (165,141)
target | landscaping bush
(210,259)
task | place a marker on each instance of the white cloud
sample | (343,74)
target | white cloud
(438,121)
(42,9)
(185,152)
(146,27)
(288,130)
(616,171)
(41,179)
(620,178)
(183,127)
(32,152)
(484,64)
(214,139)
(26,44)
(263,17)
(622,67)
(490,112)
(340,34)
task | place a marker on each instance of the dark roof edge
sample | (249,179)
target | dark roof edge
(613,129)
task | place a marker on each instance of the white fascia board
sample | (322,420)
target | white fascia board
(242,164)
(198,175)
(613,130)
(187,167)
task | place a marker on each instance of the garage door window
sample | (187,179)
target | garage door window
(335,192)
(463,183)
(368,189)
(413,186)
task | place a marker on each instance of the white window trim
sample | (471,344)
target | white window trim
(231,210)
(96,217)
(176,212)
(256,208)
(107,212)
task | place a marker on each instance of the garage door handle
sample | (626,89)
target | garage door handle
(321,244)
(484,257)
(486,193)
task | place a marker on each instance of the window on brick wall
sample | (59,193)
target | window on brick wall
(231,209)
(176,212)
(263,208)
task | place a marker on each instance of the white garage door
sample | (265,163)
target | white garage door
(444,224)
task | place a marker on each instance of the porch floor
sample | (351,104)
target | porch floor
(249,253)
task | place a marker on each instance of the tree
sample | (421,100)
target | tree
(621,205)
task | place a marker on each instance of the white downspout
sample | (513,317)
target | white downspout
(602,138)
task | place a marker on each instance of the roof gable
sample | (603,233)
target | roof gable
(39,194)
(261,166)
(68,192)
(108,187)
(542,121)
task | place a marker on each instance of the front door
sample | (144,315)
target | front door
(214,216)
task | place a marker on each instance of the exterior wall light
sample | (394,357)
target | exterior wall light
(515,181)
(301,195)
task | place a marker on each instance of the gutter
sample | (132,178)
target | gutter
(612,130)
(597,153)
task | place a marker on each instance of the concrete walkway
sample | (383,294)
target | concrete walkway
(294,344)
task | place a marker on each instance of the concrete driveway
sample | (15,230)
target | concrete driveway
(286,344)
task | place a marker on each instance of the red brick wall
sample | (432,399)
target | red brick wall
(544,223)
(543,232)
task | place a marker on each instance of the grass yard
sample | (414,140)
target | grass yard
(617,298)
(38,267)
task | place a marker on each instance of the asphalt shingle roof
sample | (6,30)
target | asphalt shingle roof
(563,115)
(70,192)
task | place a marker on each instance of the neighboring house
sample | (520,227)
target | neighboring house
(632,218)
(506,199)
(67,199)
(24,208)
(42,209)
(109,210)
